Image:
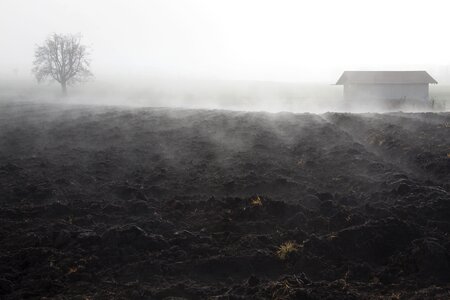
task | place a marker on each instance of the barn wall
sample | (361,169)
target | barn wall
(386,92)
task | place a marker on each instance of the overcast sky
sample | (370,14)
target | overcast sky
(257,40)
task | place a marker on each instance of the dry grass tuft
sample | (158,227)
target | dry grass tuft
(72,270)
(287,248)
(301,162)
(282,290)
(256,201)
(332,236)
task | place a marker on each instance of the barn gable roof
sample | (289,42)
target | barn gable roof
(385,77)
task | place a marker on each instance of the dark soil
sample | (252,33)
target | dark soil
(122,203)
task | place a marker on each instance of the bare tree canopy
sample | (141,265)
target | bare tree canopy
(62,58)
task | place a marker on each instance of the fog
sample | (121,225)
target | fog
(252,55)
(210,94)
(205,150)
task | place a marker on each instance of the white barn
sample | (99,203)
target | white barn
(389,87)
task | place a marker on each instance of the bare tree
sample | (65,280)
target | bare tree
(62,58)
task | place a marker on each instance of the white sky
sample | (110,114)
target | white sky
(243,39)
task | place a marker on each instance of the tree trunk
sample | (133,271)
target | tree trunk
(64,88)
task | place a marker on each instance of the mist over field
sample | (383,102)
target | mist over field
(212,54)
(294,97)
(234,95)
(209,149)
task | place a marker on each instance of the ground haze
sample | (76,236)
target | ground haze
(140,203)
